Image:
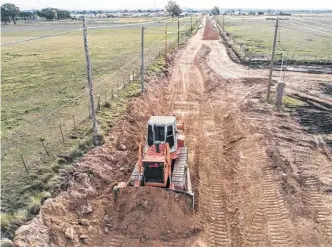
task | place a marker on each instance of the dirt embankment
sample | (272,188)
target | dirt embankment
(79,215)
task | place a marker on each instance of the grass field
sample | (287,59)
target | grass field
(44,86)
(253,37)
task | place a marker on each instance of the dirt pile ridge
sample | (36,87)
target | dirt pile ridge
(153,213)
(210,31)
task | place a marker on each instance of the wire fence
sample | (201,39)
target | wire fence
(251,39)
(46,108)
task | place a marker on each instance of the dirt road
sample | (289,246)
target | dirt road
(259,179)
(252,188)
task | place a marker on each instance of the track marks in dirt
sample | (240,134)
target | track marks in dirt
(219,234)
(279,224)
(255,233)
(117,240)
(322,214)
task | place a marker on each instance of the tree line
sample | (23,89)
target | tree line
(10,12)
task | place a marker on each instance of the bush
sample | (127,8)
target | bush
(10,222)
(34,205)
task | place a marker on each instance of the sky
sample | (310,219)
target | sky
(150,4)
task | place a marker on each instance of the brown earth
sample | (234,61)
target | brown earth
(260,179)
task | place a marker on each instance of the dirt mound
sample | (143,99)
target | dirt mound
(153,213)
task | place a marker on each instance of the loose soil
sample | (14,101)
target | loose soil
(260,179)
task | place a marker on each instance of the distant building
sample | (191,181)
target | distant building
(283,13)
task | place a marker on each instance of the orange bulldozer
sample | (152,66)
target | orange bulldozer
(162,162)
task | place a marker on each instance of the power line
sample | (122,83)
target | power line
(310,25)
(303,31)
(42,37)
(308,28)
(322,24)
(102,81)
(75,30)
(124,25)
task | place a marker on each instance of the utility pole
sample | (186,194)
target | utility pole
(223,22)
(191,23)
(166,40)
(88,69)
(142,60)
(273,52)
(178,31)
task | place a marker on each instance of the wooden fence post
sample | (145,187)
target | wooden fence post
(42,141)
(74,122)
(24,164)
(63,139)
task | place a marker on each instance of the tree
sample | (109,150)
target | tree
(10,11)
(26,15)
(63,14)
(215,10)
(173,8)
(5,18)
(48,13)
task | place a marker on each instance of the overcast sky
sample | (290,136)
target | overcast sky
(145,4)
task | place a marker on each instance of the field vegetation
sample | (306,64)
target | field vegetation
(252,38)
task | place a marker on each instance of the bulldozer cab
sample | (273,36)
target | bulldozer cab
(162,129)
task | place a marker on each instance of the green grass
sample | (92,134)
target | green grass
(41,76)
(253,37)
(292,102)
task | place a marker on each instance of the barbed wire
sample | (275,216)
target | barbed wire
(97,84)
(322,24)
(42,37)
(313,26)
(75,30)
(293,23)
(302,31)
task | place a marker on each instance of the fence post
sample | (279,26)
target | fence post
(88,68)
(279,93)
(24,164)
(42,141)
(142,59)
(98,105)
(166,41)
(63,139)
(178,31)
(74,122)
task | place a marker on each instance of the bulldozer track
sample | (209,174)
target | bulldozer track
(172,244)
(313,196)
(254,235)
(322,213)
(117,240)
(276,212)
(219,233)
